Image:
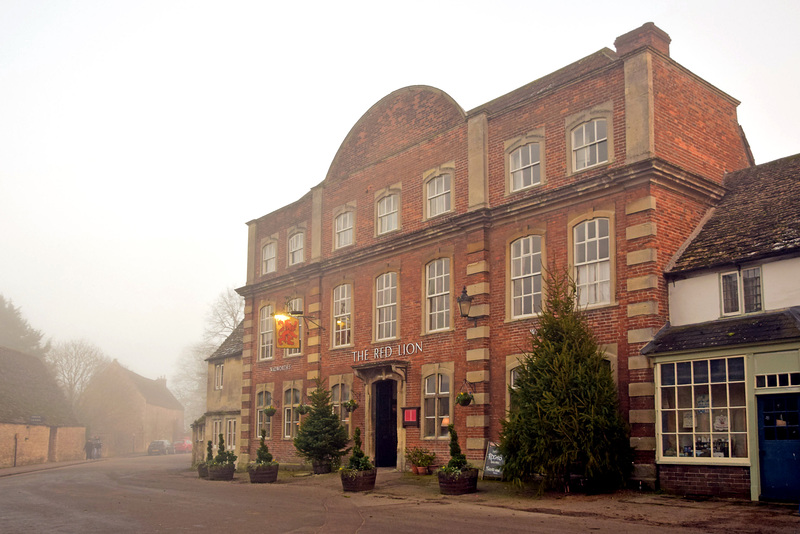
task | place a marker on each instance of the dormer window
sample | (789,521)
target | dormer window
(741,291)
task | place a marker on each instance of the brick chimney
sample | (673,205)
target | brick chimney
(648,35)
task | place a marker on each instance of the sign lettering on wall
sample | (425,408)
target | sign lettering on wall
(387,351)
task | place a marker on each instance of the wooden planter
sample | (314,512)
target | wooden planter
(320,468)
(464,482)
(263,474)
(221,472)
(353,480)
(202,470)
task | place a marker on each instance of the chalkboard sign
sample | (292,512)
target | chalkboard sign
(493,464)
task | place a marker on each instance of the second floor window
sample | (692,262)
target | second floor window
(218,375)
(387,214)
(439,195)
(266,340)
(524,163)
(342,298)
(741,291)
(592,262)
(344,229)
(437,275)
(526,276)
(589,144)
(268,258)
(296,248)
(386,306)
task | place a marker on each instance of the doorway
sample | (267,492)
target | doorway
(385,395)
(779,446)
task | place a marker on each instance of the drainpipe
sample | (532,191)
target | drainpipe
(16,440)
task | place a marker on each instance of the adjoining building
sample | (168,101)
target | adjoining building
(727,365)
(127,411)
(603,168)
(37,423)
(223,398)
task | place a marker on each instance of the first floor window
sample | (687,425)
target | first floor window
(526,276)
(291,419)
(513,376)
(437,405)
(340,394)
(218,375)
(344,230)
(703,409)
(296,248)
(263,421)
(524,167)
(230,434)
(387,214)
(342,299)
(439,195)
(437,274)
(266,331)
(386,306)
(592,262)
(589,144)
(741,291)
(268,258)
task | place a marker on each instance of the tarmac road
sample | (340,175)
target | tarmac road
(162,494)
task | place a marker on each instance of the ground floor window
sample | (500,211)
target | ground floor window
(230,434)
(291,417)
(702,409)
(263,421)
(217,431)
(437,405)
(340,394)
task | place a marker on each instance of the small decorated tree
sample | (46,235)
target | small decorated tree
(321,438)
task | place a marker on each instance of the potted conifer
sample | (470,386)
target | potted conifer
(202,467)
(321,438)
(264,469)
(457,477)
(360,474)
(223,465)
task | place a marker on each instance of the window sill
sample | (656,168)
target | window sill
(591,167)
(688,460)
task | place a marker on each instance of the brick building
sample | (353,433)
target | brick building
(604,167)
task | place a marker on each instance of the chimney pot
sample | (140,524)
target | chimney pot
(647,35)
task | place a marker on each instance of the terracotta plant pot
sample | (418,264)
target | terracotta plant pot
(221,472)
(263,474)
(353,480)
(464,482)
(202,470)
(320,468)
(420,469)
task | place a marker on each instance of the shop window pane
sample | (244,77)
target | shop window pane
(772,381)
(703,446)
(668,374)
(795,379)
(686,420)
(701,397)
(686,444)
(668,422)
(719,443)
(717,370)
(668,398)
(684,373)
(738,420)
(702,421)
(735,369)
(737,394)
(700,372)
(761,381)
(783,379)
(685,397)
(668,445)
(720,420)
(719,395)
(739,445)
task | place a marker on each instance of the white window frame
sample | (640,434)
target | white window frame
(388,211)
(702,408)
(219,428)
(296,248)
(437,404)
(295,305)
(437,295)
(590,145)
(744,292)
(342,315)
(386,306)
(526,276)
(340,393)
(230,434)
(438,194)
(266,335)
(343,229)
(519,166)
(269,258)
(263,421)
(219,375)
(592,262)
(291,418)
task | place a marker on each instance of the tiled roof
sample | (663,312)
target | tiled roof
(232,346)
(759,217)
(748,330)
(27,389)
(155,392)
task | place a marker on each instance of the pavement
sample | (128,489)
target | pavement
(640,507)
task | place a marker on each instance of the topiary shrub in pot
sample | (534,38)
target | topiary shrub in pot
(264,469)
(360,474)
(321,438)
(457,477)
(202,467)
(223,465)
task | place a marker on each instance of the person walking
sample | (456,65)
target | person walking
(89,448)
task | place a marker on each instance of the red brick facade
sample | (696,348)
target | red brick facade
(719,481)
(671,136)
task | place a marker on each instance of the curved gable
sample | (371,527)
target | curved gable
(397,121)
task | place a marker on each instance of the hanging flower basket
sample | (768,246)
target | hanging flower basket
(269,411)
(303,409)
(351,405)
(464,398)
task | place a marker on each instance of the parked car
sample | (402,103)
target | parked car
(160,446)
(182,446)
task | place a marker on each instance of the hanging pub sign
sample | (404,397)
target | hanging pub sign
(410,417)
(288,332)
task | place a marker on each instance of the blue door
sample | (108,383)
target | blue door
(779,446)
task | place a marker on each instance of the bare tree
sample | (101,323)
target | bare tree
(224,316)
(74,363)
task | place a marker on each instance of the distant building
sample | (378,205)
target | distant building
(603,168)
(223,397)
(128,411)
(37,424)
(727,366)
